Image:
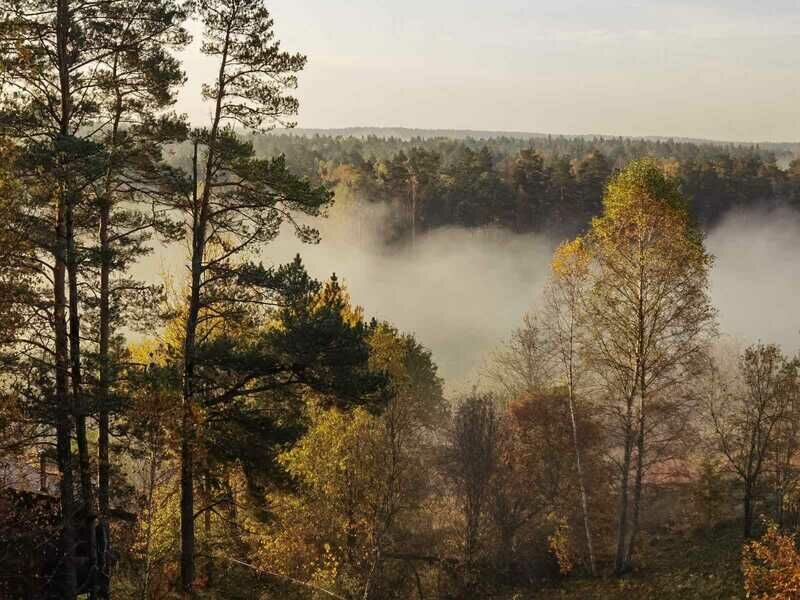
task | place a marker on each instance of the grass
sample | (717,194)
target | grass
(703,565)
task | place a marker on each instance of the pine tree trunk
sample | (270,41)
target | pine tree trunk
(104,350)
(64,408)
(200,218)
(63,403)
(187,448)
(79,404)
(103,441)
(104,466)
(187,422)
(78,401)
(104,342)
(70,580)
(187,504)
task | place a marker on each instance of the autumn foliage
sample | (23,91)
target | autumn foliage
(771,566)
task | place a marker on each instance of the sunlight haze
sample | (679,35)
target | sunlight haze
(706,69)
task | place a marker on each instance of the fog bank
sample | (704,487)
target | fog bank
(755,282)
(461,291)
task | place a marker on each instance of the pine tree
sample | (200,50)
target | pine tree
(48,103)
(139,79)
(232,201)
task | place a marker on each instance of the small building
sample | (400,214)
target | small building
(31,548)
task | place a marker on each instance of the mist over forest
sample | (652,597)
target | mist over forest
(459,281)
(241,361)
(461,290)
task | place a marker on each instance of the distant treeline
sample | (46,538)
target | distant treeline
(529,184)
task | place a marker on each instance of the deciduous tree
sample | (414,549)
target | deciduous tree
(471,463)
(564,297)
(649,318)
(745,411)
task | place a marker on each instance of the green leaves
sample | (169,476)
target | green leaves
(255,73)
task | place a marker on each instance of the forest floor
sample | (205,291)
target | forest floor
(701,565)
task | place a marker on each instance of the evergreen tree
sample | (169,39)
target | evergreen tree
(48,57)
(530,180)
(232,201)
(139,78)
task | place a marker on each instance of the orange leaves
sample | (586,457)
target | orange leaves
(560,545)
(771,567)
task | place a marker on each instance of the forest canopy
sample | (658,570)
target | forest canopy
(538,184)
(243,429)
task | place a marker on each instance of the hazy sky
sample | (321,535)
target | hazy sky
(722,69)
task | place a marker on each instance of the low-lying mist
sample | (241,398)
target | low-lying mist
(755,282)
(462,291)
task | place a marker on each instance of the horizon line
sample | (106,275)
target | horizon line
(497,133)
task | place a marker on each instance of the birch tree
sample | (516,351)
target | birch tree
(649,318)
(564,297)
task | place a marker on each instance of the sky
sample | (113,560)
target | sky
(714,69)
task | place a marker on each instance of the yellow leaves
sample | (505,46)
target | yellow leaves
(771,567)
(644,235)
(326,526)
(352,469)
(352,314)
(560,545)
(412,374)
(388,353)
(328,456)
(173,333)
(671,167)
(570,259)
(146,351)
(644,241)
(641,181)
(643,208)
(291,545)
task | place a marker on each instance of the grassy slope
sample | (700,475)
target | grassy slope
(703,565)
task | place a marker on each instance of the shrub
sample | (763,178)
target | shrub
(771,566)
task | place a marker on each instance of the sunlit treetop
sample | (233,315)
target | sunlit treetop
(642,180)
